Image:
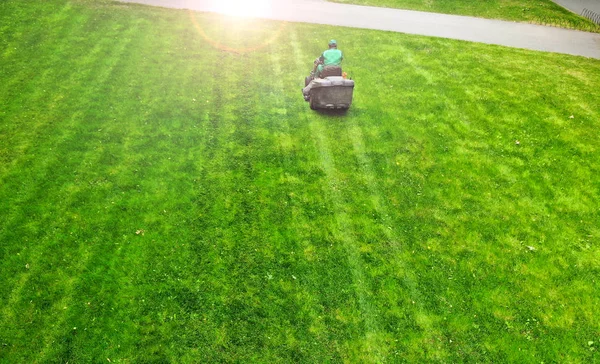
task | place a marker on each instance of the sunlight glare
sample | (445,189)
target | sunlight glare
(243,8)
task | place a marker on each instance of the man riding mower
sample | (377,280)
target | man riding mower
(326,87)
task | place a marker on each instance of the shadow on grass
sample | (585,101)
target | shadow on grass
(339,113)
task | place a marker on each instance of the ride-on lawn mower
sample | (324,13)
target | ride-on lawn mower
(332,90)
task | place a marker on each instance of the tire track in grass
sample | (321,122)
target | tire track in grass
(418,310)
(343,230)
(306,296)
(387,225)
(343,233)
(364,162)
(409,60)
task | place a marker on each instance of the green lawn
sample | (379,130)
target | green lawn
(164,199)
(544,12)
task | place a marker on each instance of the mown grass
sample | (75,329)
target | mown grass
(164,200)
(543,12)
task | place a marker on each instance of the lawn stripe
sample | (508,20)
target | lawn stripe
(343,233)
(266,224)
(342,230)
(68,134)
(235,240)
(248,245)
(170,156)
(49,164)
(160,166)
(20,45)
(343,227)
(407,58)
(14,190)
(107,60)
(135,207)
(390,229)
(387,225)
(217,240)
(40,81)
(296,222)
(313,275)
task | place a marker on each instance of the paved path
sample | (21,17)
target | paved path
(519,35)
(577,6)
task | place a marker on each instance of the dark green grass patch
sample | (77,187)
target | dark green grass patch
(543,12)
(162,199)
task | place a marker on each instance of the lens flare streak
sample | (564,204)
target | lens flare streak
(238,50)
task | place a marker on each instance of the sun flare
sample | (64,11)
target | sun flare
(242,8)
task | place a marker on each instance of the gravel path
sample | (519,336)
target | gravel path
(511,34)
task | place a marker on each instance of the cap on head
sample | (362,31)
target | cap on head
(332,43)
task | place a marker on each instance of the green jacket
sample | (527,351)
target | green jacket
(332,57)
